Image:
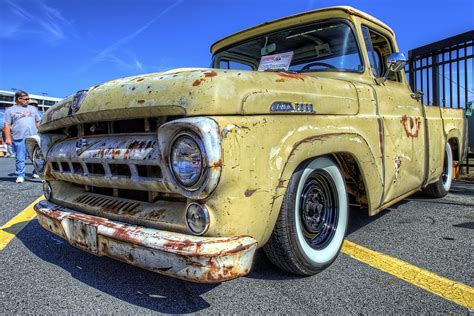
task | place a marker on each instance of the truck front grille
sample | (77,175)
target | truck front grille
(122,162)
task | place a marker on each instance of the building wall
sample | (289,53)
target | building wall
(7,98)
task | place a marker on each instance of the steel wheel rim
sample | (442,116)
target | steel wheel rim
(319,209)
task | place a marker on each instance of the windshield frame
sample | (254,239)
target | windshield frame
(215,62)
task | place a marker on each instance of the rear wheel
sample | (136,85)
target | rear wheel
(312,222)
(441,187)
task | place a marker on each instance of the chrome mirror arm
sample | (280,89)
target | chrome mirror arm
(395,63)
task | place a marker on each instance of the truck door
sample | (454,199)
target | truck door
(402,119)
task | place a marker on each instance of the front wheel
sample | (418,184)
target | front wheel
(312,222)
(441,187)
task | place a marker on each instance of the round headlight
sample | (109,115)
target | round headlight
(187,159)
(38,160)
(197,218)
(47,190)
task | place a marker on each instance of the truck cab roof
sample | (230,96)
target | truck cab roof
(297,19)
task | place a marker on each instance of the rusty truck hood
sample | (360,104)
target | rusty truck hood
(197,92)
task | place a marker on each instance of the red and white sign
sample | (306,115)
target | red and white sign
(278,61)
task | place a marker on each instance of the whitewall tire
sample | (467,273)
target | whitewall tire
(313,219)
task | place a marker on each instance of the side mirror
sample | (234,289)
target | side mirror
(395,63)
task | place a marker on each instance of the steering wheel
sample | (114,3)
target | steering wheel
(308,66)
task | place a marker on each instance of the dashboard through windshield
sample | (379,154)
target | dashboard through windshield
(324,46)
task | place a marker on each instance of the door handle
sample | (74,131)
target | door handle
(418,95)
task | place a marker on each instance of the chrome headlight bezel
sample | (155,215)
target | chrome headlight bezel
(195,212)
(202,174)
(208,132)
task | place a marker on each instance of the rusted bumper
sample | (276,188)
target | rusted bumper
(198,259)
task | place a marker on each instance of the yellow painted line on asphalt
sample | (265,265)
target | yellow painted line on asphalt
(456,292)
(16,224)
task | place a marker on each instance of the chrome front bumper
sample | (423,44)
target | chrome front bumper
(192,258)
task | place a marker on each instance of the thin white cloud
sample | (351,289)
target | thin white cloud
(107,53)
(139,64)
(19,11)
(53,13)
(50,21)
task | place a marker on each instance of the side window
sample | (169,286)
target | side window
(378,50)
(374,58)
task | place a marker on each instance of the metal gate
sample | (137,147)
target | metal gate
(443,71)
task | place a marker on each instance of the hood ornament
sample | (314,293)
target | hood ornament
(77,101)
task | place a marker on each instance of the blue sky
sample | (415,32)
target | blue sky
(61,46)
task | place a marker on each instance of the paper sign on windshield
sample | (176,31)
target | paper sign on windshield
(278,61)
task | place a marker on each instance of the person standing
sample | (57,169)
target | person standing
(21,120)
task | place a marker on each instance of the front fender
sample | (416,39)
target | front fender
(44,141)
(321,145)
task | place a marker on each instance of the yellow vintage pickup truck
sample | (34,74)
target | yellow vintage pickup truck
(188,171)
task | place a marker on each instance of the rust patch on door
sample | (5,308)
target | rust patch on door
(411,126)
(398,163)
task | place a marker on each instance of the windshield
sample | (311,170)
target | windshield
(325,46)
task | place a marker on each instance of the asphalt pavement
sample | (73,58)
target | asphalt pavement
(43,274)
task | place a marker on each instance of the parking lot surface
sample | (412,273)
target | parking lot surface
(42,273)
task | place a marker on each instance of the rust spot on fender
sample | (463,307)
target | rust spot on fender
(210,74)
(282,184)
(249,192)
(140,79)
(140,101)
(292,76)
(217,164)
(197,82)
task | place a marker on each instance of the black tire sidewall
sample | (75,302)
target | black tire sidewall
(307,262)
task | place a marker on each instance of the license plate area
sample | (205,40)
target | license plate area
(83,236)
